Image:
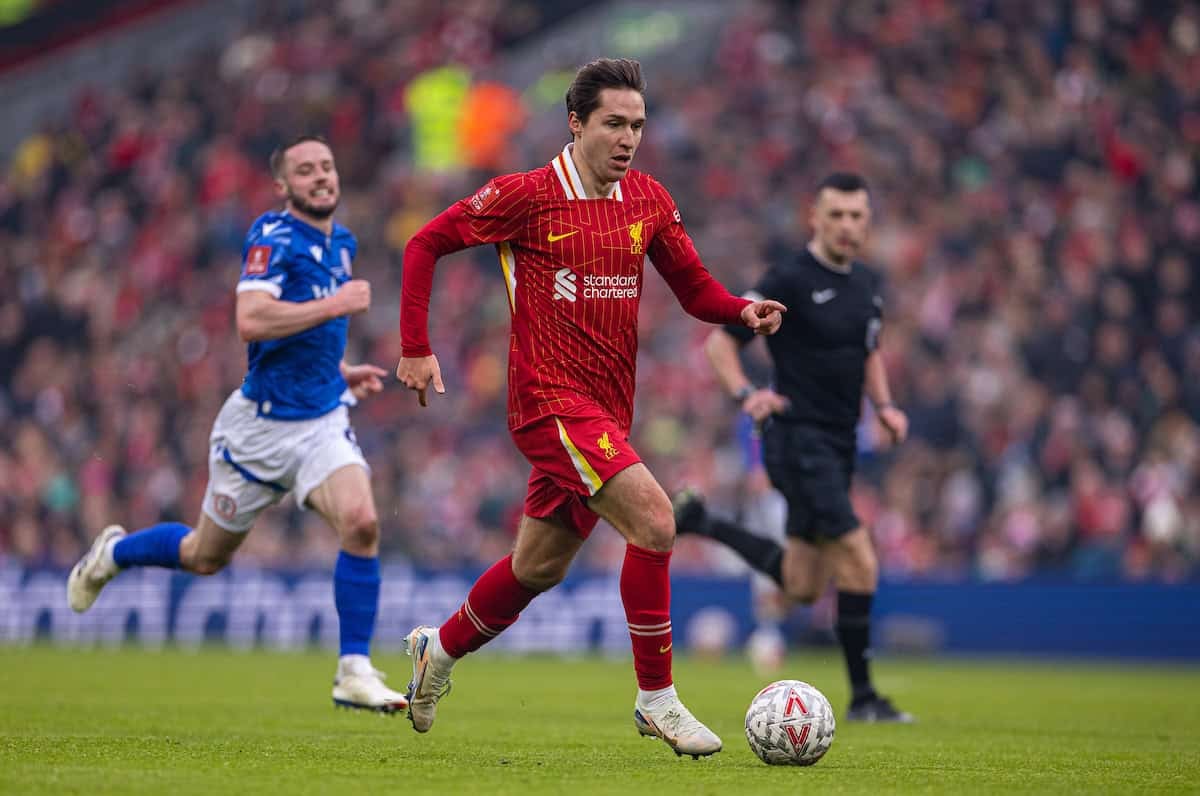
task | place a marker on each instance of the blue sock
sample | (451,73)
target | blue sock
(356,595)
(156,546)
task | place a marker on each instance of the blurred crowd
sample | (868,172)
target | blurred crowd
(1037,219)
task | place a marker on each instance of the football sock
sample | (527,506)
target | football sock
(356,596)
(646,594)
(494,603)
(650,699)
(854,634)
(765,555)
(156,546)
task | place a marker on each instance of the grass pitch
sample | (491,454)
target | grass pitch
(132,721)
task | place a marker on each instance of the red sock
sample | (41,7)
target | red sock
(646,593)
(494,603)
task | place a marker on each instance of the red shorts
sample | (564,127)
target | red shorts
(572,458)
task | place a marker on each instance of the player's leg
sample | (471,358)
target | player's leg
(233,499)
(203,550)
(692,516)
(856,573)
(343,498)
(333,479)
(849,551)
(636,505)
(540,559)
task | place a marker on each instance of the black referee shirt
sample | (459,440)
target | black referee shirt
(820,352)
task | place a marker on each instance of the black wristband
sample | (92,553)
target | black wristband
(743,393)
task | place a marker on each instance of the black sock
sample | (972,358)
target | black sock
(854,633)
(765,555)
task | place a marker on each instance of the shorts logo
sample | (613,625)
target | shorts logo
(484,197)
(257,259)
(225,505)
(605,444)
(635,237)
(564,285)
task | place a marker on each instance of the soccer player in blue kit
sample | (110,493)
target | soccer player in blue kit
(287,428)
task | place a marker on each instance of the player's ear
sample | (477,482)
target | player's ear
(280,188)
(574,124)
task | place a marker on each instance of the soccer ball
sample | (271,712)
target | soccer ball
(789,723)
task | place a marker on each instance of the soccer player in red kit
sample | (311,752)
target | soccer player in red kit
(572,238)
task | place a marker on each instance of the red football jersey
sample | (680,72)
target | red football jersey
(574,269)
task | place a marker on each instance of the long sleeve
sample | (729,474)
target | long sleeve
(439,237)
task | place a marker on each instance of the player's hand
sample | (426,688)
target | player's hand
(417,373)
(764,317)
(363,380)
(763,403)
(353,297)
(896,423)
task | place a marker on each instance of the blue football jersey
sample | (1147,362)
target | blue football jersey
(297,377)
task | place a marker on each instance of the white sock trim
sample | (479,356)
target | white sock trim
(648,699)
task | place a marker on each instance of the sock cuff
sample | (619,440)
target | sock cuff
(854,606)
(647,555)
(508,561)
(350,565)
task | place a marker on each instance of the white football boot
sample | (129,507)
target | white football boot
(430,678)
(359,685)
(95,569)
(670,720)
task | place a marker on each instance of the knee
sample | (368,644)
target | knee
(803,594)
(801,587)
(860,570)
(359,532)
(197,562)
(204,564)
(658,531)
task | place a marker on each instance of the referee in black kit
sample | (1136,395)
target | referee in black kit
(825,356)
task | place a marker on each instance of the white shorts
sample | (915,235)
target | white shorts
(253,462)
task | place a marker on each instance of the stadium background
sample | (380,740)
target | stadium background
(1033,168)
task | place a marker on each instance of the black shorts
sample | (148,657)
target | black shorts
(812,468)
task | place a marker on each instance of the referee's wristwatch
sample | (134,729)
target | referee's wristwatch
(744,392)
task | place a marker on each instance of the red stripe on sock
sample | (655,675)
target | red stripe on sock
(646,593)
(496,600)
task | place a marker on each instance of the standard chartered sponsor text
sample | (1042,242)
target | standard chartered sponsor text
(614,286)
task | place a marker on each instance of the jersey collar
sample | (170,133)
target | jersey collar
(572,183)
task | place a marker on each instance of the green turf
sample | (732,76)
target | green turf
(129,721)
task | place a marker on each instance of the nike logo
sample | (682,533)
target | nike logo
(552,237)
(267,229)
(823,296)
(666,649)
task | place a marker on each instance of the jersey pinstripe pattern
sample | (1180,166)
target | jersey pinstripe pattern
(574,271)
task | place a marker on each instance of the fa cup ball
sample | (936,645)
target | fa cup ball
(790,723)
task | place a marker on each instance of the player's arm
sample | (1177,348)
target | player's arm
(262,316)
(493,214)
(418,367)
(875,385)
(701,296)
(875,380)
(723,351)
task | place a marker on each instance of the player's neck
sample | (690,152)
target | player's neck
(323,224)
(824,258)
(591,183)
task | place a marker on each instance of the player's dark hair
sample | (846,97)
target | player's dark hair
(277,157)
(583,96)
(845,181)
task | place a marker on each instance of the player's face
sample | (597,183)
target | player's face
(840,220)
(611,134)
(310,179)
